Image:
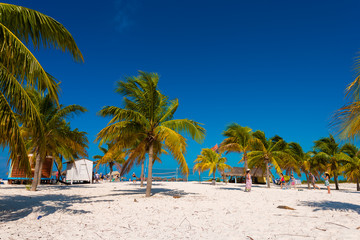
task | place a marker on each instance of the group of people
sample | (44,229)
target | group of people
(325,176)
(313,179)
(283,182)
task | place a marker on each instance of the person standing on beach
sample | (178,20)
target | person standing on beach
(293,182)
(134,177)
(282,181)
(248,181)
(326,177)
(313,180)
(97,177)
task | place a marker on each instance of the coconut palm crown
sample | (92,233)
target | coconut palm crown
(238,139)
(111,157)
(268,151)
(146,123)
(329,156)
(351,167)
(210,160)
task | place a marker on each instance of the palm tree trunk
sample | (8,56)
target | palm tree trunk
(307,179)
(336,182)
(223,177)
(40,172)
(111,170)
(357,184)
(149,178)
(214,181)
(35,181)
(142,173)
(245,161)
(267,174)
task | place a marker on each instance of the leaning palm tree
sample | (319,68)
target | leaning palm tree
(329,154)
(351,166)
(21,27)
(53,136)
(146,123)
(268,151)
(238,139)
(212,161)
(111,157)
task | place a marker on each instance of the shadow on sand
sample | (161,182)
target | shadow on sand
(154,191)
(15,207)
(331,205)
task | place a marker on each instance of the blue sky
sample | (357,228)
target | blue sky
(277,66)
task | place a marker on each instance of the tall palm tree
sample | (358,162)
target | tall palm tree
(111,157)
(351,166)
(238,139)
(268,151)
(146,122)
(329,156)
(53,136)
(212,161)
(19,28)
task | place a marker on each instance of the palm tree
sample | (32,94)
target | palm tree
(20,27)
(137,154)
(111,157)
(329,156)
(238,140)
(53,136)
(147,124)
(268,151)
(302,160)
(212,161)
(351,166)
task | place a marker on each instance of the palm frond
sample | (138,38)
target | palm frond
(41,30)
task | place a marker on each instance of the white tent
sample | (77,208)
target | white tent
(79,171)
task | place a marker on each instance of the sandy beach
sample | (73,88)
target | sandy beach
(203,211)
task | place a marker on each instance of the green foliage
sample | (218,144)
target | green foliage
(329,155)
(147,119)
(351,165)
(264,151)
(146,124)
(238,139)
(19,27)
(112,156)
(53,135)
(346,121)
(210,160)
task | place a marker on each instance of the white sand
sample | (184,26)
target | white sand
(108,211)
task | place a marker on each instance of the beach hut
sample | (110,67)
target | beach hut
(79,171)
(238,174)
(17,175)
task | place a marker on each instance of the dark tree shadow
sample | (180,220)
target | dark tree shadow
(331,205)
(15,207)
(154,191)
(45,187)
(231,188)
